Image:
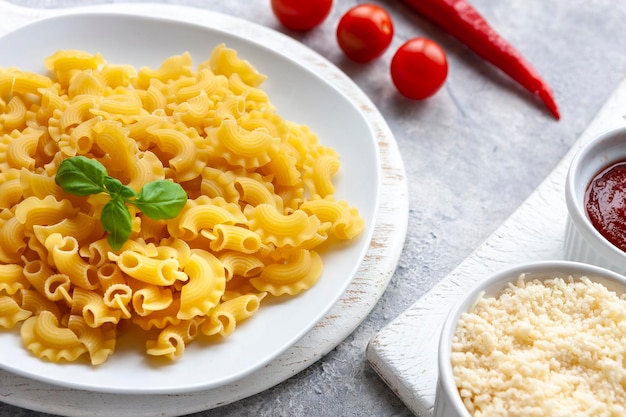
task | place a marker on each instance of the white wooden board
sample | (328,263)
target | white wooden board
(404,353)
(356,303)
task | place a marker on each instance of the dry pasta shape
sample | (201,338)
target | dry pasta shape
(91,307)
(283,230)
(151,298)
(159,319)
(99,341)
(259,189)
(11,313)
(207,283)
(148,269)
(42,335)
(345,221)
(36,303)
(12,278)
(299,271)
(173,339)
(10,187)
(242,264)
(233,237)
(224,318)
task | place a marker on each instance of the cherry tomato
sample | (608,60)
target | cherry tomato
(419,68)
(301,15)
(365,32)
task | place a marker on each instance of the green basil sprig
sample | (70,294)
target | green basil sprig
(161,199)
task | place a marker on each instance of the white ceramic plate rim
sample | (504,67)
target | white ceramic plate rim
(130,373)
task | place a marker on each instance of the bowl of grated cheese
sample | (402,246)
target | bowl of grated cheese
(538,339)
(595,194)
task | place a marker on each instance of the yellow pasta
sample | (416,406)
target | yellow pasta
(148,269)
(12,235)
(212,85)
(187,150)
(238,263)
(57,287)
(65,258)
(172,68)
(194,111)
(15,114)
(12,278)
(114,76)
(158,319)
(36,272)
(85,83)
(345,224)
(225,61)
(119,297)
(99,341)
(283,230)
(20,152)
(205,213)
(81,138)
(207,283)
(45,337)
(34,211)
(91,306)
(224,318)
(242,147)
(82,227)
(260,202)
(72,61)
(113,139)
(36,303)
(218,183)
(11,313)
(77,112)
(172,340)
(38,185)
(16,82)
(255,191)
(232,237)
(150,298)
(299,271)
(320,167)
(10,188)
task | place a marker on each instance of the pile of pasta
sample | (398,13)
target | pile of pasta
(260,205)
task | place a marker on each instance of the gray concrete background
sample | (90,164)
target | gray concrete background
(473,153)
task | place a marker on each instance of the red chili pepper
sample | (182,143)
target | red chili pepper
(461,20)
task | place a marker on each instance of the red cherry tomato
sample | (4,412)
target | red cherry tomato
(419,68)
(301,15)
(365,32)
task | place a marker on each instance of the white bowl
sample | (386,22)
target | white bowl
(583,242)
(448,402)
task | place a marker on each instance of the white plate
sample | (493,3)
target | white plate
(298,94)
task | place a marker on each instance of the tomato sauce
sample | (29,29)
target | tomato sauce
(605,202)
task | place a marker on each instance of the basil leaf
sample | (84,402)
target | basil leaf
(158,200)
(117,222)
(115,186)
(162,199)
(81,176)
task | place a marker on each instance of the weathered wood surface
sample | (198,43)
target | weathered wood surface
(404,353)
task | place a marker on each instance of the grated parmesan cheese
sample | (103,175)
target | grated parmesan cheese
(554,348)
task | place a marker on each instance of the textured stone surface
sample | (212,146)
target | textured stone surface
(473,153)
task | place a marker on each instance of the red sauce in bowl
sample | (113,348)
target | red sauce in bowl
(605,202)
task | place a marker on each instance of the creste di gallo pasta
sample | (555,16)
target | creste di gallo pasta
(260,203)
